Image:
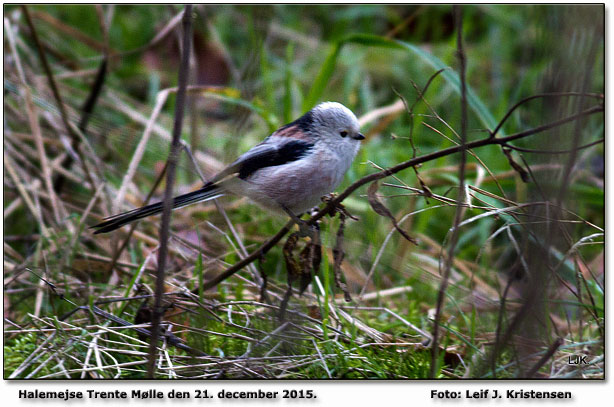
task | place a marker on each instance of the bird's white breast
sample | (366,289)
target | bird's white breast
(298,185)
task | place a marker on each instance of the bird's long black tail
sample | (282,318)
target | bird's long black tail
(207,192)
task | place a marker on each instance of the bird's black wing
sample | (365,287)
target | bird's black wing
(270,153)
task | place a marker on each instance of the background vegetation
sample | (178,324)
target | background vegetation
(525,292)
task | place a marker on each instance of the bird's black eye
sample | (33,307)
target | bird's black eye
(343,133)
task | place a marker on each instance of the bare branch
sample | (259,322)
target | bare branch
(269,244)
(458,13)
(168,192)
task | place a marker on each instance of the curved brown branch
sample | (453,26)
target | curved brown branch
(445,152)
(538,96)
(530,150)
(261,251)
(269,244)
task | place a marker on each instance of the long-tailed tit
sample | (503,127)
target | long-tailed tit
(289,171)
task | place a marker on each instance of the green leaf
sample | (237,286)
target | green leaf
(288,108)
(328,67)
(267,77)
(322,79)
(372,41)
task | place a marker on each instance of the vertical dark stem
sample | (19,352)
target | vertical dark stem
(497,345)
(48,73)
(542,361)
(124,244)
(88,108)
(170,180)
(56,95)
(460,53)
(579,124)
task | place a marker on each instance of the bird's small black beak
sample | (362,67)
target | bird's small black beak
(359,136)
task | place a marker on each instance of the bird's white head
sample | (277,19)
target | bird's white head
(337,121)
(337,127)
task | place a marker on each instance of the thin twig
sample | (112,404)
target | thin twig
(261,251)
(458,12)
(269,244)
(53,85)
(88,108)
(540,96)
(553,348)
(124,244)
(43,58)
(168,193)
(529,150)
(140,149)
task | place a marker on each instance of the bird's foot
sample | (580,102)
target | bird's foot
(339,207)
(305,229)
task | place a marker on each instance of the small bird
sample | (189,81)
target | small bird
(287,172)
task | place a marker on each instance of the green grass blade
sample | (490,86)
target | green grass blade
(267,78)
(270,119)
(316,90)
(449,75)
(288,107)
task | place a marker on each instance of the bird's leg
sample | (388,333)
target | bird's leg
(304,228)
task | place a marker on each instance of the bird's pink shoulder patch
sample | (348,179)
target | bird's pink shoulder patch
(293,132)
